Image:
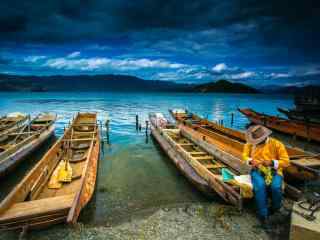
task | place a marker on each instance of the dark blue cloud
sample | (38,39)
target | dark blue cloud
(259,41)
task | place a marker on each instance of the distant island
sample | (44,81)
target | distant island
(125,83)
(222,86)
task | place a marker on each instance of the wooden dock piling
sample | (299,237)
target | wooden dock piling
(147,126)
(107,130)
(137,122)
(232,118)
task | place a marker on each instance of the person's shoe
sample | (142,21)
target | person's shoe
(279,216)
(264,224)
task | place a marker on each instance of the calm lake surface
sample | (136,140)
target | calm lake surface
(134,175)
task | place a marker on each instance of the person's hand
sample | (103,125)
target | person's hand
(267,163)
(255,163)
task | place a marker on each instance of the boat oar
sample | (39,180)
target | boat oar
(65,172)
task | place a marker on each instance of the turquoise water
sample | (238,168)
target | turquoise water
(133,175)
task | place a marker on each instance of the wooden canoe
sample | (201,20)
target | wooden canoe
(19,144)
(11,123)
(32,204)
(229,144)
(309,131)
(199,166)
(309,116)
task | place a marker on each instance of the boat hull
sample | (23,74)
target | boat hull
(34,203)
(9,163)
(310,116)
(194,162)
(88,184)
(182,165)
(301,129)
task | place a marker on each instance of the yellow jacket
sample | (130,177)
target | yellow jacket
(271,150)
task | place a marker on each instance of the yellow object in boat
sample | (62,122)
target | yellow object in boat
(246,190)
(54,182)
(65,172)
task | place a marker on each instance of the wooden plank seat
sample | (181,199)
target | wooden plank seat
(197,153)
(307,162)
(204,158)
(80,146)
(185,144)
(20,211)
(213,166)
(78,139)
(78,134)
(84,124)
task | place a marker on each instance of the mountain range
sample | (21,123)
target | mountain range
(110,82)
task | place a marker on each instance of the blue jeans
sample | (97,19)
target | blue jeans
(261,192)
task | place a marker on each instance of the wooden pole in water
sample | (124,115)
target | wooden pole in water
(232,118)
(107,131)
(147,126)
(137,122)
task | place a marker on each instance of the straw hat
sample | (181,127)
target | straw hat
(257,134)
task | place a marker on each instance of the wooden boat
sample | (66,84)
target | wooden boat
(11,122)
(307,106)
(34,203)
(306,116)
(19,144)
(199,166)
(304,165)
(309,131)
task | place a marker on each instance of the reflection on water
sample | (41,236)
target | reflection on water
(134,175)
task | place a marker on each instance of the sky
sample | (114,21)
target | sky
(274,42)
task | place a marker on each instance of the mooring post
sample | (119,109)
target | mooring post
(221,122)
(137,122)
(232,118)
(107,126)
(147,126)
(108,131)
(147,135)
(140,127)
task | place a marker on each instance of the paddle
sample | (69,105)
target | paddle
(65,172)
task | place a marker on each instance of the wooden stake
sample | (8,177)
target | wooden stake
(137,122)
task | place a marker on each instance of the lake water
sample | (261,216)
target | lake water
(134,175)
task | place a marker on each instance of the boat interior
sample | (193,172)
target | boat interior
(195,153)
(51,186)
(26,132)
(10,121)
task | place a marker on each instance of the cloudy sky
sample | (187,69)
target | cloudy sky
(250,41)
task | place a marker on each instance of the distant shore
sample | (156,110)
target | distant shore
(126,83)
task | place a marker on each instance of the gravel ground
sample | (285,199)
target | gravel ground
(189,221)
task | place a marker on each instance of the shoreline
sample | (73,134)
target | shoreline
(182,221)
